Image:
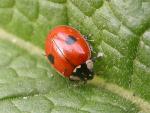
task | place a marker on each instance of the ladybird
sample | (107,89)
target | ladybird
(69,53)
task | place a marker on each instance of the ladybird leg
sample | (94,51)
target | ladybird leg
(86,38)
(85,81)
(74,78)
(91,47)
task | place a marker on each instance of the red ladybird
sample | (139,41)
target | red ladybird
(67,50)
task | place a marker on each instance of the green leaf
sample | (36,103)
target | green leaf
(118,28)
(27,85)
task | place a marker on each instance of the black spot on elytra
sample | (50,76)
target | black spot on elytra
(51,58)
(71,40)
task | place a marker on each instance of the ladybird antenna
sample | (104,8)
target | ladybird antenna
(99,56)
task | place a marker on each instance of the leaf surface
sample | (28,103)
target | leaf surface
(119,29)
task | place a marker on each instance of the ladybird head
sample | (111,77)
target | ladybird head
(89,64)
